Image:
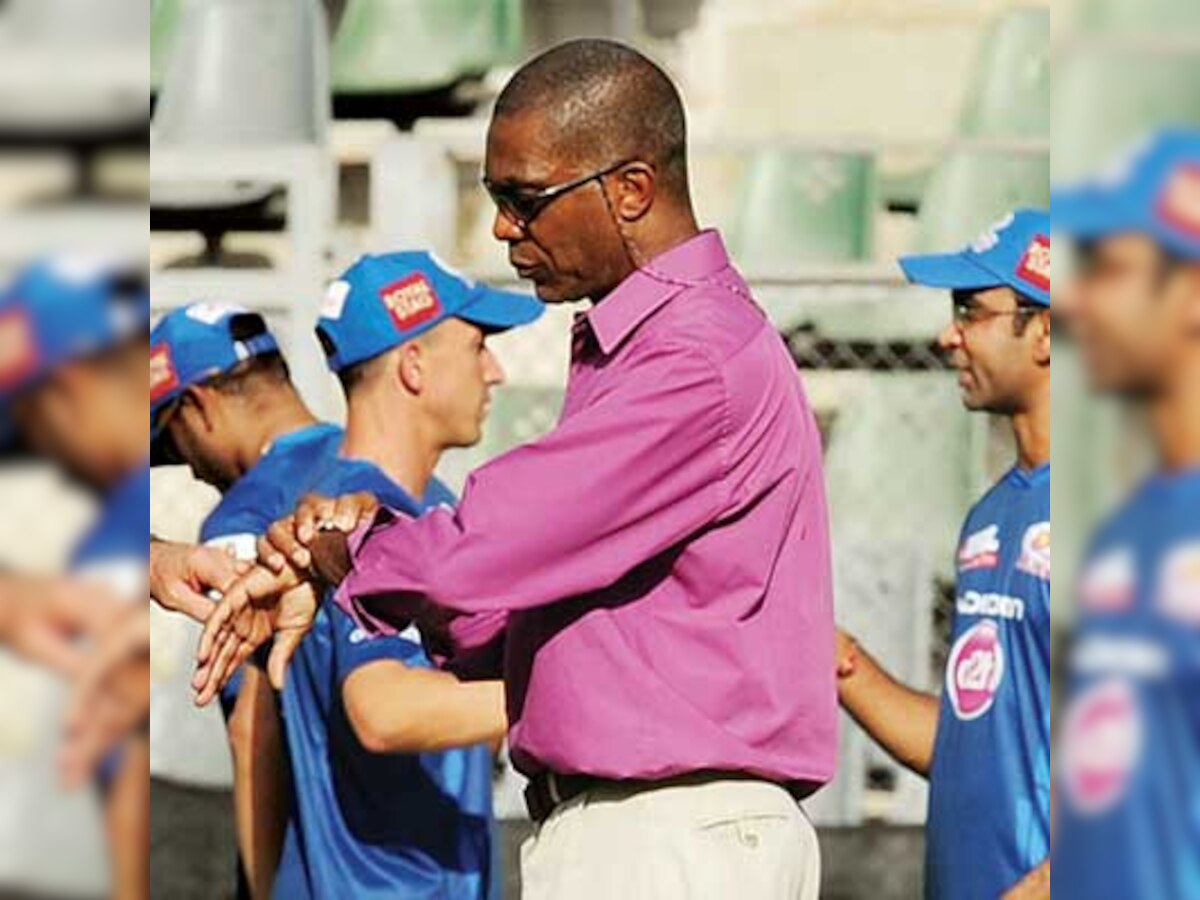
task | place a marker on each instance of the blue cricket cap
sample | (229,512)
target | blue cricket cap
(63,309)
(1015,253)
(196,342)
(384,301)
(1152,190)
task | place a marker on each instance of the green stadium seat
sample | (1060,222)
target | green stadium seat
(1109,94)
(1171,17)
(974,185)
(401,46)
(164,19)
(805,206)
(1010,94)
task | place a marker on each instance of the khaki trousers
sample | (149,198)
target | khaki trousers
(716,840)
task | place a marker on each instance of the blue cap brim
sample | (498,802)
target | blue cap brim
(495,310)
(950,271)
(1088,214)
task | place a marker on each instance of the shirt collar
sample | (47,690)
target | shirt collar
(1030,477)
(643,292)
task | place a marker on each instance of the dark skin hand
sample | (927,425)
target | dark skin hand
(315,535)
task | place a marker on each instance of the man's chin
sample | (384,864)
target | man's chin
(548,294)
(556,291)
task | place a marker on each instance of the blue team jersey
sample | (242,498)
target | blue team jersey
(1128,813)
(117,546)
(269,491)
(370,825)
(989,800)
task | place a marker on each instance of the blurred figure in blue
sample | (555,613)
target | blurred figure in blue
(74,347)
(1128,781)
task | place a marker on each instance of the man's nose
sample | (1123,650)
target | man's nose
(493,371)
(505,229)
(951,337)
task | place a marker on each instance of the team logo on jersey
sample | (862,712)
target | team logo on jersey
(163,376)
(18,350)
(975,670)
(1109,583)
(411,301)
(1179,205)
(1034,267)
(1101,746)
(1035,551)
(1179,584)
(998,606)
(981,550)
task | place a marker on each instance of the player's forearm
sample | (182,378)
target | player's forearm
(260,781)
(901,720)
(1034,886)
(397,709)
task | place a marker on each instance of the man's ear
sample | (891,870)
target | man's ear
(636,185)
(410,367)
(1042,337)
(203,402)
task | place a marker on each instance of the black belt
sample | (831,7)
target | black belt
(548,790)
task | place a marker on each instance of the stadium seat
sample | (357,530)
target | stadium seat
(1170,17)
(975,184)
(1010,94)
(51,22)
(401,59)
(242,73)
(805,206)
(1109,94)
(164,19)
(69,79)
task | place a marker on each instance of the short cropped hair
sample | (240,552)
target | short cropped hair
(608,104)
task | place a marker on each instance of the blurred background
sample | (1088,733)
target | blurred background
(828,136)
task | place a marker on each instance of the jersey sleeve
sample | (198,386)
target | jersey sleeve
(354,647)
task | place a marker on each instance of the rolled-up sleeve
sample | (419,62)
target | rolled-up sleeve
(637,469)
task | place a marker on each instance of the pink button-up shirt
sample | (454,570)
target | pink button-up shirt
(660,559)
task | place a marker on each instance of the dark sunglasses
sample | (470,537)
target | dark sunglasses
(522,205)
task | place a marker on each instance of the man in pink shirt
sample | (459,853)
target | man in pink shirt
(651,578)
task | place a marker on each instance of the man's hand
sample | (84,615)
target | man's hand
(111,695)
(314,535)
(845,654)
(260,605)
(1034,886)
(182,574)
(45,619)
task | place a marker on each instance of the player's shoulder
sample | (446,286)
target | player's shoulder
(1017,494)
(121,529)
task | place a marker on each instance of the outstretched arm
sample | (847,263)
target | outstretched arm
(395,708)
(1034,886)
(901,720)
(182,574)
